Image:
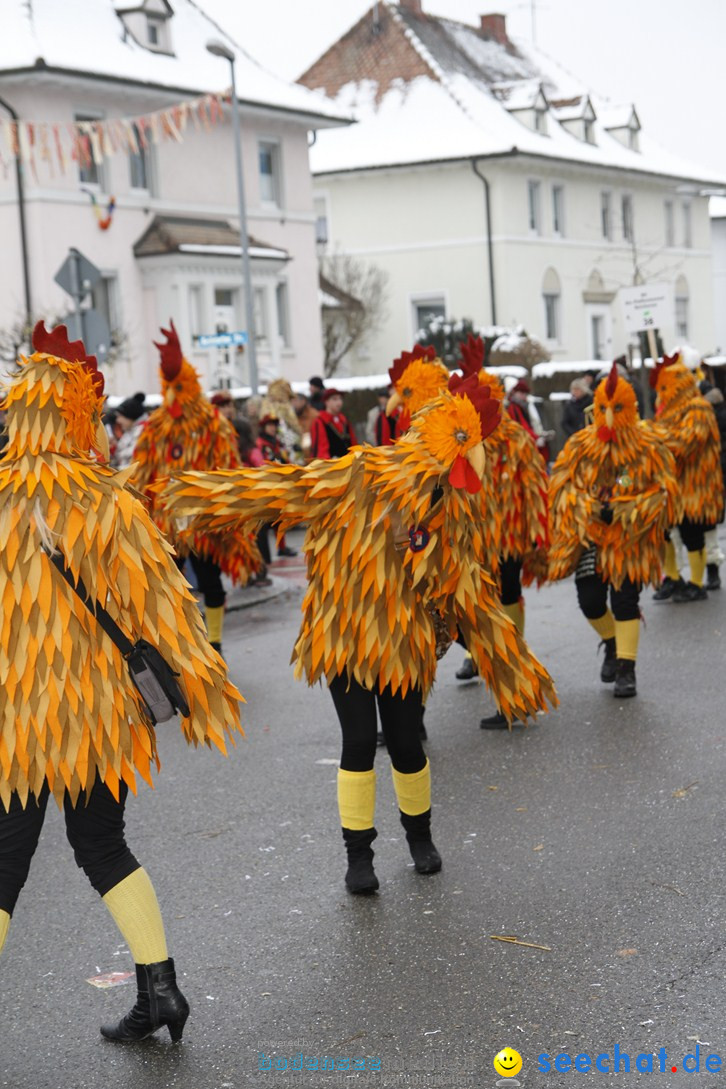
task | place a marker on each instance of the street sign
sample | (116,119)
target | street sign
(91,327)
(221,340)
(648,306)
(77,275)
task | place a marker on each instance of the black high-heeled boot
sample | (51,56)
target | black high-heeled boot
(159,1002)
(361,877)
(425,857)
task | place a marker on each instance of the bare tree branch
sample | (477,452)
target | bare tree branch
(355,305)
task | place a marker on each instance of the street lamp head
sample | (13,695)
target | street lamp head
(220,49)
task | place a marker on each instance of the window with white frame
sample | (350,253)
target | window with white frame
(283,313)
(260,311)
(670,225)
(425,309)
(606,216)
(551,295)
(687,224)
(320,207)
(558,210)
(533,206)
(140,162)
(682,295)
(90,172)
(106,301)
(588,127)
(196,309)
(626,207)
(270,179)
(540,121)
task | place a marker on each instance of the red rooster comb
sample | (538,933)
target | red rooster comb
(399,365)
(612,381)
(171,353)
(56,343)
(668,361)
(487,406)
(472,355)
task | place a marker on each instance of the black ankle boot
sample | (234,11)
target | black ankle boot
(361,877)
(607,672)
(713,577)
(159,1002)
(624,679)
(425,857)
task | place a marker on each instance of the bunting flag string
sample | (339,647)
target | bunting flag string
(57,144)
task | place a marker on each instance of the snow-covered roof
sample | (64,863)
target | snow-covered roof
(88,37)
(619,117)
(521,95)
(717,207)
(395,128)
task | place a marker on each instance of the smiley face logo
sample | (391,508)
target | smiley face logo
(508,1062)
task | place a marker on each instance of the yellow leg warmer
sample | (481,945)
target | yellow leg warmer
(215,620)
(697,563)
(627,634)
(4,924)
(671,565)
(356,799)
(604,625)
(413,791)
(135,911)
(516,614)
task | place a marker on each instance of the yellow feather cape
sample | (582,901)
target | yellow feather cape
(367,612)
(68,710)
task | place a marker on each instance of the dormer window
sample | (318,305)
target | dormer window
(577,116)
(622,123)
(589,131)
(540,121)
(148,22)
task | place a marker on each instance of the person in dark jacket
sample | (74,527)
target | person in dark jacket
(573,415)
(332,434)
(714,555)
(317,393)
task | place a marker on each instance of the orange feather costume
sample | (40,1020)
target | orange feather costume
(68,710)
(392,544)
(625,464)
(187,432)
(685,421)
(519,477)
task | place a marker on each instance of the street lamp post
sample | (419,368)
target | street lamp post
(219,49)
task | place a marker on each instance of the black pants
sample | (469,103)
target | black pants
(209,579)
(510,581)
(400,722)
(95,832)
(693,535)
(263,542)
(592,597)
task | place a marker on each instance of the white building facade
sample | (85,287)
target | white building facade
(578,204)
(172,247)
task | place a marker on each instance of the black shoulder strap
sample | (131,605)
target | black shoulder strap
(96,610)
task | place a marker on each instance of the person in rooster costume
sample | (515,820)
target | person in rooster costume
(77,549)
(613,494)
(685,421)
(394,565)
(187,432)
(519,482)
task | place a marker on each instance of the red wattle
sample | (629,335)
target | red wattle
(605,434)
(175,410)
(473,483)
(457,473)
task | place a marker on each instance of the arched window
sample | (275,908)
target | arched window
(682,297)
(551,292)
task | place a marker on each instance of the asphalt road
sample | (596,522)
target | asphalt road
(597,832)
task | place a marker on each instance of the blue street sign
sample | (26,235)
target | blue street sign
(221,340)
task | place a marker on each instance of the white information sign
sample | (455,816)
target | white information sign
(648,306)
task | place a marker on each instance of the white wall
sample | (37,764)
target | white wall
(718,237)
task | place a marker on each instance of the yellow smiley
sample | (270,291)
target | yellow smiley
(508,1062)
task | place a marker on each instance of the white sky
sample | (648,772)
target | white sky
(666,56)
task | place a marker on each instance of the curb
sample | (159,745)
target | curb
(243,598)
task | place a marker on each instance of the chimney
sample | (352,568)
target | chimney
(413,6)
(494,26)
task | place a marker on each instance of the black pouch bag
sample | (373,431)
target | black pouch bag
(151,675)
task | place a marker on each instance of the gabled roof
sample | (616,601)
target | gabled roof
(205,237)
(88,38)
(429,89)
